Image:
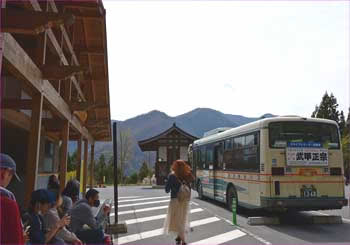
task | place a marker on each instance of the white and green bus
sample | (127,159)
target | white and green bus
(274,164)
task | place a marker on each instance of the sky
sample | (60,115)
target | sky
(244,58)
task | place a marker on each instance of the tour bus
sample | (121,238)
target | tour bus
(276,164)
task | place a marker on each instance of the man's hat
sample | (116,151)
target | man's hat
(7,162)
(43,196)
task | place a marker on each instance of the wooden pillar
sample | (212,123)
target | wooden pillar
(79,158)
(64,154)
(92,165)
(86,151)
(33,146)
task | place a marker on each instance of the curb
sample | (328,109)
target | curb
(263,221)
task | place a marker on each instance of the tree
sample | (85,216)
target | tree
(327,109)
(125,150)
(132,179)
(100,169)
(72,161)
(342,123)
(144,171)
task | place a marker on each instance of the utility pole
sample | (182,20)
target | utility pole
(115,162)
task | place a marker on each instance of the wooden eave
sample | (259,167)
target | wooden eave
(151,144)
(90,46)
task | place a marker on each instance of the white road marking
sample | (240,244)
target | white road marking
(195,203)
(140,210)
(161,216)
(143,199)
(222,238)
(142,203)
(129,197)
(158,232)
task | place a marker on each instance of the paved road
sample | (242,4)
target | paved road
(143,209)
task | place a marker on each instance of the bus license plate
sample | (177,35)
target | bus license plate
(308,193)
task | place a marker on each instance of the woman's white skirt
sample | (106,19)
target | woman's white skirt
(176,222)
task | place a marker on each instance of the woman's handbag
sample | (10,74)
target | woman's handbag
(184,193)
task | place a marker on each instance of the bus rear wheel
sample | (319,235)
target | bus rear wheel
(230,194)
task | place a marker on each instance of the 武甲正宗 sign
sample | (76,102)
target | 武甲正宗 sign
(306,154)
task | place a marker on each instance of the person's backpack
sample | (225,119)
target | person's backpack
(184,193)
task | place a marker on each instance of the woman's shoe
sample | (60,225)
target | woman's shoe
(178,241)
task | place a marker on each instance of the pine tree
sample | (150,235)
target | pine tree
(144,171)
(327,109)
(342,123)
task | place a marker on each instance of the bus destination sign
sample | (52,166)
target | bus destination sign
(306,154)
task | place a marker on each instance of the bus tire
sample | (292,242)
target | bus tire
(200,190)
(231,193)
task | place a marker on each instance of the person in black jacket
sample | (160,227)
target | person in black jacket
(176,221)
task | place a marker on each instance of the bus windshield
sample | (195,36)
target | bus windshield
(282,133)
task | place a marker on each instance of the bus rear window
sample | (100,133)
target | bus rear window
(282,133)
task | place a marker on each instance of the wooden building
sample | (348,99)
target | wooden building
(170,145)
(54,87)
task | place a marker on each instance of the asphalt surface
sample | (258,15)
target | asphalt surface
(143,209)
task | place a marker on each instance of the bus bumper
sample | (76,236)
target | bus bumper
(303,203)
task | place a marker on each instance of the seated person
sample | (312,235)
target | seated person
(52,217)
(81,214)
(40,203)
(70,195)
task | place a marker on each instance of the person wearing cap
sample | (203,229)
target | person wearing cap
(41,201)
(8,204)
(7,170)
(63,236)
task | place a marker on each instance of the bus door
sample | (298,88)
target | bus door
(210,172)
(218,159)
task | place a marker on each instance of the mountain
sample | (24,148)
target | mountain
(147,125)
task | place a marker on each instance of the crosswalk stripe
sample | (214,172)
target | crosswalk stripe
(161,216)
(128,197)
(142,203)
(158,232)
(140,210)
(222,238)
(143,199)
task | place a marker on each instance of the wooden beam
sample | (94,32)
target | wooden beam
(85,106)
(64,154)
(86,152)
(36,7)
(96,123)
(89,50)
(17,61)
(16,118)
(79,158)
(92,163)
(56,72)
(33,147)
(16,104)
(22,21)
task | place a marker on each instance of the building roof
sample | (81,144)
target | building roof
(150,144)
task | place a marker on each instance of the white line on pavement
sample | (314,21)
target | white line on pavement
(143,199)
(195,203)
(142,203)
(129,197)
(222,238)
(140,210)
(161,216)
(158,232)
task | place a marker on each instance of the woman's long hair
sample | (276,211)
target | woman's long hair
(182,170)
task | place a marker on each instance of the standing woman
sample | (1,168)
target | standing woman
(176,221)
